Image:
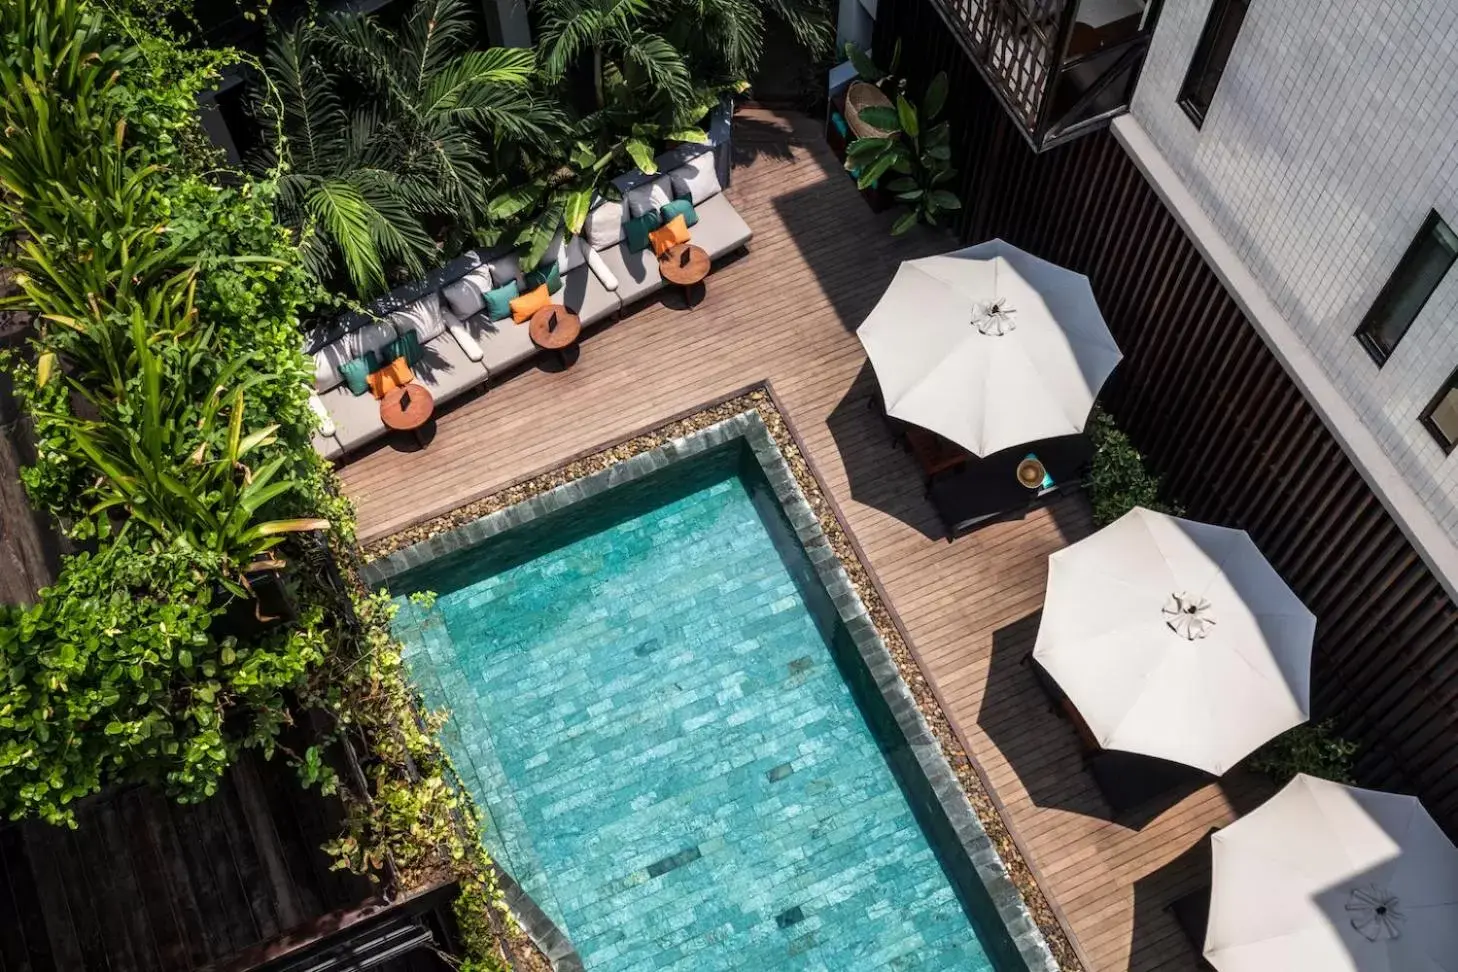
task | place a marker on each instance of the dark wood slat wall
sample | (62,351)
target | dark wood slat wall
(1216,414)
(146,884)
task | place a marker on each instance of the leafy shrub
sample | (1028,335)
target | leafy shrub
(1118,481)
(116,667)
(1314,749)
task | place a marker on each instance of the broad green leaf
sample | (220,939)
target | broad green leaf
(697,136)
(906,114)
(874,171)
(902,184)
(865,147)
(575,207)
(862,62)
(642,155)
(944,199)
(906,222)
(935,97)
(883,117)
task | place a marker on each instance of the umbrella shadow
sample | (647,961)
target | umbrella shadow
(1022,715)
(1171,907)
(880,473)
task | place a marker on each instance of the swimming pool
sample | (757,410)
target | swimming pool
(677,750)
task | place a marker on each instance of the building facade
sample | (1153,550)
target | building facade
(1264,205)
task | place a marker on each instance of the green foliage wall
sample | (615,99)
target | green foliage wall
(168,392)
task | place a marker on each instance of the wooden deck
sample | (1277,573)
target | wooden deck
(786,311)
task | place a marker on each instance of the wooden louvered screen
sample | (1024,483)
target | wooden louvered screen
(1216,414)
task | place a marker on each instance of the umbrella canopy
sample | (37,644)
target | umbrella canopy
(1332,878)
(989,347)
(1176,639)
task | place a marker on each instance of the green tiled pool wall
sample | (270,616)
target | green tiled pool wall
(966,856)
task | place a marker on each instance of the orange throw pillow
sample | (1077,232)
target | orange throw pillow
(523,307)
(390,377)
(669,235)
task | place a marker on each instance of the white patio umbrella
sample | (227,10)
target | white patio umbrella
(1176,639)
(989,347)
(1329,878)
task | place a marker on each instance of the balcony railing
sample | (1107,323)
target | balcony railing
(1059,67)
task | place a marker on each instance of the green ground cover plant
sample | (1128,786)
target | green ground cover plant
(167,392)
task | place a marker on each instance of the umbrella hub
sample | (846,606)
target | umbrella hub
(1188,615)
(994,317)
(1375,914)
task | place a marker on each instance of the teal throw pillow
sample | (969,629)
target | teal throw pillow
(551,275)
(356,372)
(638,230)
(498,301)
(679,207)
(406,346)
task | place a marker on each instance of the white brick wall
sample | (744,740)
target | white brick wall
(1333,133)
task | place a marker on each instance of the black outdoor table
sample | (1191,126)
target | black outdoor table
(987,488)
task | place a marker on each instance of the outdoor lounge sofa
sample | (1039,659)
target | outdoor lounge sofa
(463,347)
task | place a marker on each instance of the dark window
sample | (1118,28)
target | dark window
(1418,274)
(1441,416)
(1217,40)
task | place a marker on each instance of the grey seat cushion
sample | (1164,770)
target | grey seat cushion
(327,446)
(637,273)
(446,370)
(584,295)
(503,343)
(720,228)
(356,417)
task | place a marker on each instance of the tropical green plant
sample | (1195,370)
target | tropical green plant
(1314,748)
(187,482)
(1118,480)
(389,145)
(657,60)
(917,149)
(116,670)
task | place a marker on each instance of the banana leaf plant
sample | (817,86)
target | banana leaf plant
(918,151)
(182,471)
(606,144)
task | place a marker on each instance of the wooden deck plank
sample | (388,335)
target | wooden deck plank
(786,311)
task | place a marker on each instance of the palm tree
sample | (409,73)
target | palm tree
(389,145)
(657,59)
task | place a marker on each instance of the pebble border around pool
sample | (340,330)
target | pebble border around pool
(749,425)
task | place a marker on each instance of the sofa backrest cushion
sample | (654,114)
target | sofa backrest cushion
(373,337)
(504,269)
(696,180)
(423,317)
(567,254)
(465,296)
(649,197)
(327,362)
(604,226)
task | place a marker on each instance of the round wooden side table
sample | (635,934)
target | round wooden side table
(686,265)
(407,409)
(555,328)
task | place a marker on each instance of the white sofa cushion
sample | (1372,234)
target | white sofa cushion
(447,370)
(584,295)
(604,227)
(720,229)
(599,266)
(697,180)
(356,417)
(464,295)
(637,273)
(423,317)
(326,424)
(649,197)
(503,343)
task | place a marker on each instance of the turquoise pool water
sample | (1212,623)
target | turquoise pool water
(649,706)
